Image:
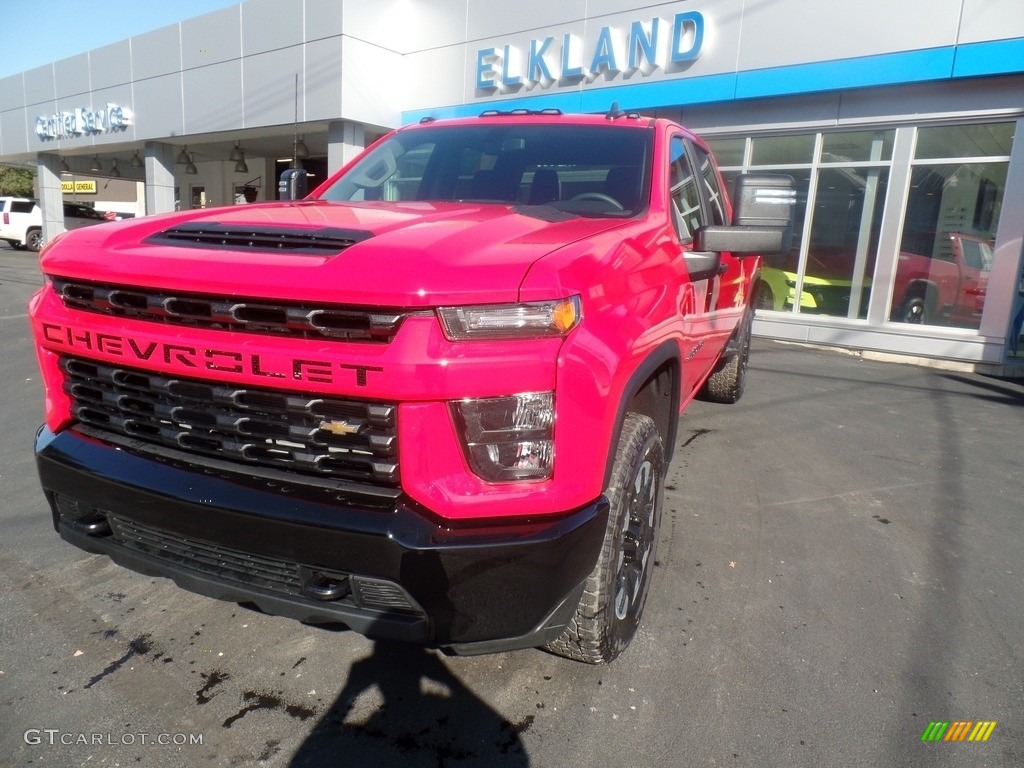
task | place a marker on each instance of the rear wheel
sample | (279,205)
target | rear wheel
(915,310)
(726,384)
(34,239)
(616,590)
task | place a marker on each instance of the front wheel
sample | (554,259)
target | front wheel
(614,595)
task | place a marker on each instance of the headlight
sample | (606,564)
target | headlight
(511,321)
(508,438)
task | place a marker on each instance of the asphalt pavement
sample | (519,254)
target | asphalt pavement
(840,566)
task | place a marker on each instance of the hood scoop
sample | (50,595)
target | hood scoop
(324,241)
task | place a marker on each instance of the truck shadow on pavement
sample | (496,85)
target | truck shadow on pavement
(1007,392)
(420,715)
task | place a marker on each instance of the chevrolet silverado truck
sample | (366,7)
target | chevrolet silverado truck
(434,400)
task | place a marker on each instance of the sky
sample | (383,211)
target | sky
(37,32)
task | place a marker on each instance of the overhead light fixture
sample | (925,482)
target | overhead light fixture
(296,163)
(136,161)
(64,167)
(301,150)
(190,166)
(115,172)
(183,156)
(95,165)
(238,157)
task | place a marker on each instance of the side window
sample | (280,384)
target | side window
(683,191)
(977,254)
(712,189)
(405,183)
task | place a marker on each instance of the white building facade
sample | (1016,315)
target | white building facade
(898,120)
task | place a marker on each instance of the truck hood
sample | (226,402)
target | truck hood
(390,254)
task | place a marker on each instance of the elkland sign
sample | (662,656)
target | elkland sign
(83,121)
(637,46)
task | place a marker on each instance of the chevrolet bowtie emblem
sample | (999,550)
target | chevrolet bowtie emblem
(339,427)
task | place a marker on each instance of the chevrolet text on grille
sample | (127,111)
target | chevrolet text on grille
(199,358)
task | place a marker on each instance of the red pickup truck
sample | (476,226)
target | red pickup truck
(435,400)
(947,287)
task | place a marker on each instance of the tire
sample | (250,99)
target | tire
(725,385)
(34,239)
(614,595)
(915,310)
(765,299)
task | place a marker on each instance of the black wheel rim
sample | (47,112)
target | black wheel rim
(748,321)
(637,539)
(914,313)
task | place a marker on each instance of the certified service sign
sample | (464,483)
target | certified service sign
(83,121)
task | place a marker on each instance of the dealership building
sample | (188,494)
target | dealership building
(897,119)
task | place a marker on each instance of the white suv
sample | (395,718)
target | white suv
(21,221)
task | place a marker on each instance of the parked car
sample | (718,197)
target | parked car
(77,215)
(826,284)
(946,287)
(21,221)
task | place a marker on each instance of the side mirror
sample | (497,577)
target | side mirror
(764,199)
(762,220)
(292,184)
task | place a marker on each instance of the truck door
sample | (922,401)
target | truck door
(732,285)
(706,328)
(973,256)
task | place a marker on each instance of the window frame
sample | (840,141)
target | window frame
(678,215)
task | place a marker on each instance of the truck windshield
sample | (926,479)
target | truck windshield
(589,170)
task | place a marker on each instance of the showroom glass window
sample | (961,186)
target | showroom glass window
(852,183)
(845,177)
(958,177)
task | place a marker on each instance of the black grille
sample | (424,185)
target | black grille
(245,568)
(323,241)
(222,562)
(306,320)
(328,437)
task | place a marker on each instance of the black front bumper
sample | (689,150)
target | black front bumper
(320,552)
